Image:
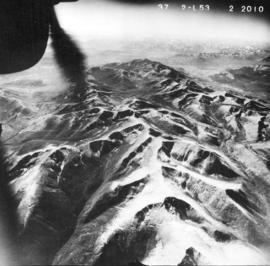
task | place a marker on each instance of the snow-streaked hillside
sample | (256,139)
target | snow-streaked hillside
(148,166)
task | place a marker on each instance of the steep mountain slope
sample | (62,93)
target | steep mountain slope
(148,167)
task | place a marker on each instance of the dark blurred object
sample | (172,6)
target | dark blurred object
(58,1)
(69,58)
(8,217)
(24,31)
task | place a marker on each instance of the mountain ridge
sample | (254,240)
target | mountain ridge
(102,180)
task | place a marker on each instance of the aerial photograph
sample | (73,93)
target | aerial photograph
(141,137)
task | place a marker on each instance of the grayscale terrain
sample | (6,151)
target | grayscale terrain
(156,161)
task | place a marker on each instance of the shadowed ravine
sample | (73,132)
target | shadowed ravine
(148,167)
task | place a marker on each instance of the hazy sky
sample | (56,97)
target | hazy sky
(113,20)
